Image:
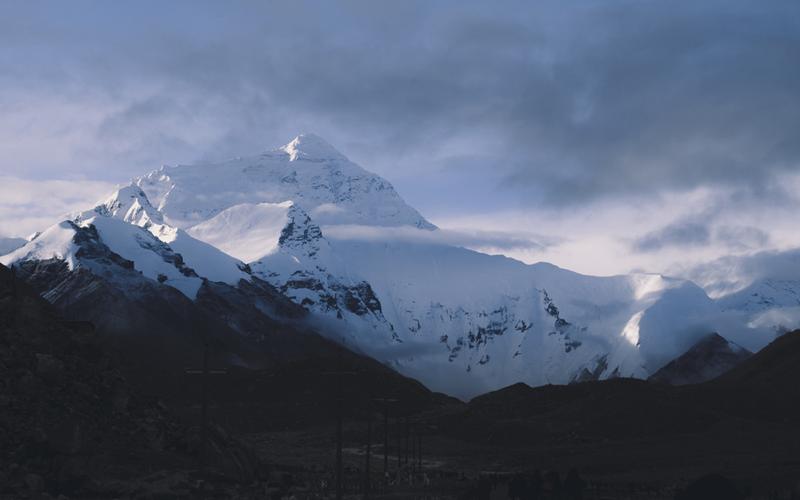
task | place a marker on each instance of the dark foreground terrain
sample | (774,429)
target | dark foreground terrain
(80,418)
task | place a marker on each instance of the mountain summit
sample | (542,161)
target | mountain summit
(311,147)
(307,171)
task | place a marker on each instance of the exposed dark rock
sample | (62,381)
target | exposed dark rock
(708,359)
(586,375)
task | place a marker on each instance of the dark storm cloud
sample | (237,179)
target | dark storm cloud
(699,231)
(683,233)
(562,104)
(742,238)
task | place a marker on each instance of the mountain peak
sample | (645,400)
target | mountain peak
(310,147)
(709,358)
(130,204)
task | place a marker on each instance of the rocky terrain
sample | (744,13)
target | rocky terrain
(72,424)
(706,360)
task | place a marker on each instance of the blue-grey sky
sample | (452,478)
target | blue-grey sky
(654,126)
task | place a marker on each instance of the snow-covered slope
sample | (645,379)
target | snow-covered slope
(307,171)
(247,231)
(132,229)
(466,323)
(132,244)
(131,205)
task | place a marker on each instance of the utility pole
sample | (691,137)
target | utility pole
(399,424)
(13,282)
(408,441)
(339,399)
(386,402)
(419,450)
(204,372)
(367,478)
(413,450)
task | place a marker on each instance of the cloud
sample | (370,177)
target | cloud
(27,206)
(560,104)
(742,237)
(683,233)
(732,273)
(501,241)
(702,231)
(596,124)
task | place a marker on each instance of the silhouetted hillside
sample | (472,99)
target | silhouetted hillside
(704,361)
(70,422)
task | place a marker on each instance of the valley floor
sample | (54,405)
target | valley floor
(763,464)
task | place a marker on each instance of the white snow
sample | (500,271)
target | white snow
(307,171)
(128,224)
(53,243)
(141,247)
(128,241)
(130,204)
(311,147)
(436,297)
(247,231)
(208,261)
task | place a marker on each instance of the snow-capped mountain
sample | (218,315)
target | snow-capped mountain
(465,323)
(460,321)
(134,231)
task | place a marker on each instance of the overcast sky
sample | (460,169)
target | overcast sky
(612,135)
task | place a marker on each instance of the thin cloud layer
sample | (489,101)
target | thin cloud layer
(501,241)
(733,273)
(27,206)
